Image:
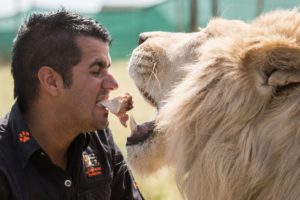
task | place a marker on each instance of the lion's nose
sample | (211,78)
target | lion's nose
(142,39)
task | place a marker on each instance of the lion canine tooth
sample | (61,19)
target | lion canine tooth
(133,124)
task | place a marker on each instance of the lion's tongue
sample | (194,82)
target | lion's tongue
(139,132)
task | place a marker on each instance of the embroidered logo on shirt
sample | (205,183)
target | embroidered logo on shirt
(91,164)
(24,136)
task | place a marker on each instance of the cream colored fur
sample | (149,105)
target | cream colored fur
(230,124)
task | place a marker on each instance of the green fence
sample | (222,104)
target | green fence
(172,15)
(125,26)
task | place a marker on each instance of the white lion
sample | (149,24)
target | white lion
(228,103)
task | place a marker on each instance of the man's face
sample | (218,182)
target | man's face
(91,84)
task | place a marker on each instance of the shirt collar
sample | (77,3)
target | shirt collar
(25,144)
(82,141)
(23,140)
(87,140)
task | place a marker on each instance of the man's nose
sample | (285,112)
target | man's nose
(110,82)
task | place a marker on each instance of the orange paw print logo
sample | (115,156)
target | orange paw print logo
(24,136)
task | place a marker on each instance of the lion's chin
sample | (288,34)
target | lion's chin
(140,132)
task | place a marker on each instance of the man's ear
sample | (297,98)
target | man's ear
(50,81)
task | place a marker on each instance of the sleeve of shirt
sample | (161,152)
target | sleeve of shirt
(123,185)
(5,192)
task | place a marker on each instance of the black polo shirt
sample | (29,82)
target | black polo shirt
(95,168)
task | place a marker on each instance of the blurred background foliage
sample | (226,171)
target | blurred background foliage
(126,19)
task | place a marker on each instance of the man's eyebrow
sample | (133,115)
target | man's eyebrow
(99,63)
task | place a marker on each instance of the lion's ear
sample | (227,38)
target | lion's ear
(278,62)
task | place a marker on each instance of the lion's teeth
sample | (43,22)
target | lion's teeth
(113,105)
(133,124)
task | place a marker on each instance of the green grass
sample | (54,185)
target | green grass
(159,186)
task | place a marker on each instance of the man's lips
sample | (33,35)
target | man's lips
(102,97)
(101,107)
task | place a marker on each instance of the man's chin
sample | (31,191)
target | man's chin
(102,125)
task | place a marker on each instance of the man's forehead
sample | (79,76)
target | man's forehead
(94,47)
(84,41)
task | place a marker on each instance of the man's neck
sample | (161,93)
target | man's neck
(52,134)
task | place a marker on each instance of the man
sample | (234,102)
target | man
(55,143)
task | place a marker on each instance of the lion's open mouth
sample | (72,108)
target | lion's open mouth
(141,132)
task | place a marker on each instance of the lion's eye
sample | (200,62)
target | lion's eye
(268,72)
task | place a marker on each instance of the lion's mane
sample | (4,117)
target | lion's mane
(231,126)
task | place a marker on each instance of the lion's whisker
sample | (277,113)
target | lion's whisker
(153,73)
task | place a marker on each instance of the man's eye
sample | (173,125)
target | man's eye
(96,73)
